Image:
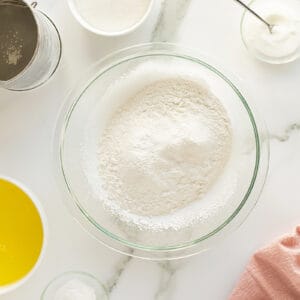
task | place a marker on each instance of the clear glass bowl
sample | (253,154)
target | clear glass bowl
(250,155)
(83,278)
(263,7)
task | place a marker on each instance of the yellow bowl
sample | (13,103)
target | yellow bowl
(22,234)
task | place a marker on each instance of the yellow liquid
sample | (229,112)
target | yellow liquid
(21,233)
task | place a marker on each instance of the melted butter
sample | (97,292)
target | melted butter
(21,233)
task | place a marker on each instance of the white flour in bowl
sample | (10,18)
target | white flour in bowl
(161,151)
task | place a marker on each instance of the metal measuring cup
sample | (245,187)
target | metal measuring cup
(30,46)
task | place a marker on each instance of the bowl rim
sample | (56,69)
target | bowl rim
(167,50)
(92,29)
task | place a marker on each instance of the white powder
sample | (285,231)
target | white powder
(163,150)
(75,290)
(12,47)
(112,15)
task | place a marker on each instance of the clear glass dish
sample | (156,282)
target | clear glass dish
(250,154)
(273,7)
(80,277)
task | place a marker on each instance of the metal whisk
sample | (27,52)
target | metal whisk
(270,26)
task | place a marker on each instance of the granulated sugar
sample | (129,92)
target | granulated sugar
(75,290)
(162,151)
(112,16)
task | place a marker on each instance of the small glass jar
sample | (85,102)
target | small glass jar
(70,283)
(30,47)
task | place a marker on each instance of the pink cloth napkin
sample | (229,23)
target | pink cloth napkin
(273,272)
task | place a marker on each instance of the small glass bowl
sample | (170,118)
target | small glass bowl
(54,285)
(261,7)
(252,155)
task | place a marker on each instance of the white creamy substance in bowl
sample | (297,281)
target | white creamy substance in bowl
(280,45)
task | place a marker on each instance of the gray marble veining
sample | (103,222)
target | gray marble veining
(287,133)
(119,270)
(169,20)
(168,272)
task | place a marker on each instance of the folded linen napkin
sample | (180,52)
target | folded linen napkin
(273,272)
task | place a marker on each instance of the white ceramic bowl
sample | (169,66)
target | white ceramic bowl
(95,30)
(34,199)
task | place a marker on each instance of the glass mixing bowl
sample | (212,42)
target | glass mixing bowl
(87,103)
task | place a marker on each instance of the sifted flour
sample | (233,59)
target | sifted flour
(163,149)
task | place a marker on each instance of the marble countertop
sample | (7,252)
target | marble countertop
(27,122)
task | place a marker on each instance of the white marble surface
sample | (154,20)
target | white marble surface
(27,121)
